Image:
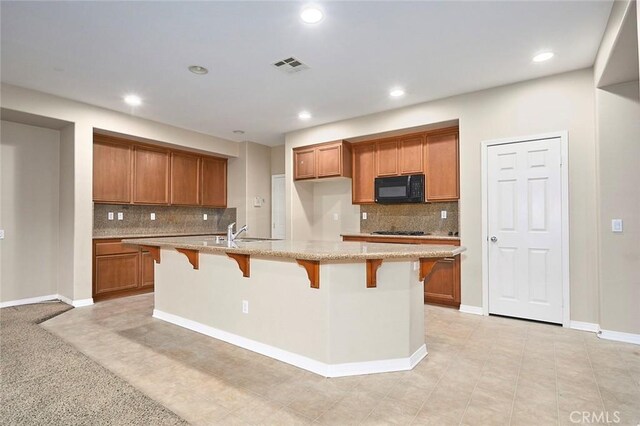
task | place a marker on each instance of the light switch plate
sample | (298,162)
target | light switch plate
(110,216)
(336,216)
(443,214)
(153,216)
(1,234)
(120,216)
(204,216)
(616,225)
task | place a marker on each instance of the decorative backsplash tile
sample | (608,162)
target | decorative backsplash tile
(178,219)
(410,217)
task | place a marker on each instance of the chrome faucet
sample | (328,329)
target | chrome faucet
(230,235)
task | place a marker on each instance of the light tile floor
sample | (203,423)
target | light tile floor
(479,371)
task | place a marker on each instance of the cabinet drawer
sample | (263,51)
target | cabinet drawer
(114,247)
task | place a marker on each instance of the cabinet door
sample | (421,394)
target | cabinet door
(147,270)
(387,158)
(185,179)
(364,173)
(411,155)
(116,272)
(329,160)
(214,182)
(443,284)
(111,173)
(150,176)
(442,172)
(304,163)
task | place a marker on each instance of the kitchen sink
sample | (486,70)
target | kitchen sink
(249,240)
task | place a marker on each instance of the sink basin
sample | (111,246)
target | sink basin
(249,240)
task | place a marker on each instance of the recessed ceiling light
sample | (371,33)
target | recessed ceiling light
(197,69)
(311,15)
(133,100)
(239,132)
(304,115)
(544,56)
(396,93)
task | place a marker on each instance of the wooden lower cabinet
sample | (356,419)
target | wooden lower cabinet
(442,286)
(120,270)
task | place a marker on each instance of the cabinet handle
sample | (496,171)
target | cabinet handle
(450,259)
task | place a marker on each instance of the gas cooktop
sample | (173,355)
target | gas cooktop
(399,233)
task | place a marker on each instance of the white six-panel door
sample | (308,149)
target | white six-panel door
(524,212)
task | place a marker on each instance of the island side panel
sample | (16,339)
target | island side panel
(372,324)
(284,312)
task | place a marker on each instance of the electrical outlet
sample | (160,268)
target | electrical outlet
(205,216)
(416,266)
(616,225)
(443,214)
(110,216)
(1,234)
(153,216)
(245,306)
(120,216)
(364,215)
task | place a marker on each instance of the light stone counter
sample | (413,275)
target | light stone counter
(408,237)
(307,250)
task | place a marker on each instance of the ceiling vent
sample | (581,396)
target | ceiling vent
(290,65)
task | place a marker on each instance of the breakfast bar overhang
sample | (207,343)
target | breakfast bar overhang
(333,308)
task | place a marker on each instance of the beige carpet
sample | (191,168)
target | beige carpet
(44,380)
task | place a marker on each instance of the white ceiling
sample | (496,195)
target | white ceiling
(96,52)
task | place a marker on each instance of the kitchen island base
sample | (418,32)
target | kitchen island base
(341,328)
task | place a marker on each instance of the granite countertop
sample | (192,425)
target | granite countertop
(307,250)
(428,237)
(168,234)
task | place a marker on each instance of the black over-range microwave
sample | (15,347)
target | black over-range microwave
(400,189)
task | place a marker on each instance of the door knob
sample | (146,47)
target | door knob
(494,239)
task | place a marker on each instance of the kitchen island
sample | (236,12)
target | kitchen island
(333,308)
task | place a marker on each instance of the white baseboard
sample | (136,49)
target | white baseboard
(75,303)
(468,309)
(584,326)
(619,336)
(82,302)
(321,368)
(28,300)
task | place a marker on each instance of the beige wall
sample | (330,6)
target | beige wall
(29,211)
(67,207)
(560,102)
(333,213)
(251,172)
(277,160)
(85,118)
(258,185)
(618,114)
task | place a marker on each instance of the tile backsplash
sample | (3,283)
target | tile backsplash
(178,219)
(410,217)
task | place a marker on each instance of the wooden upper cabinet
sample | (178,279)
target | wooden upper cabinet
(442,167)
(150,176)
(304,163)
(410,155)
(387,158)
(364,173)
(325,160)
(111,172)
(185,179)
(214,182)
